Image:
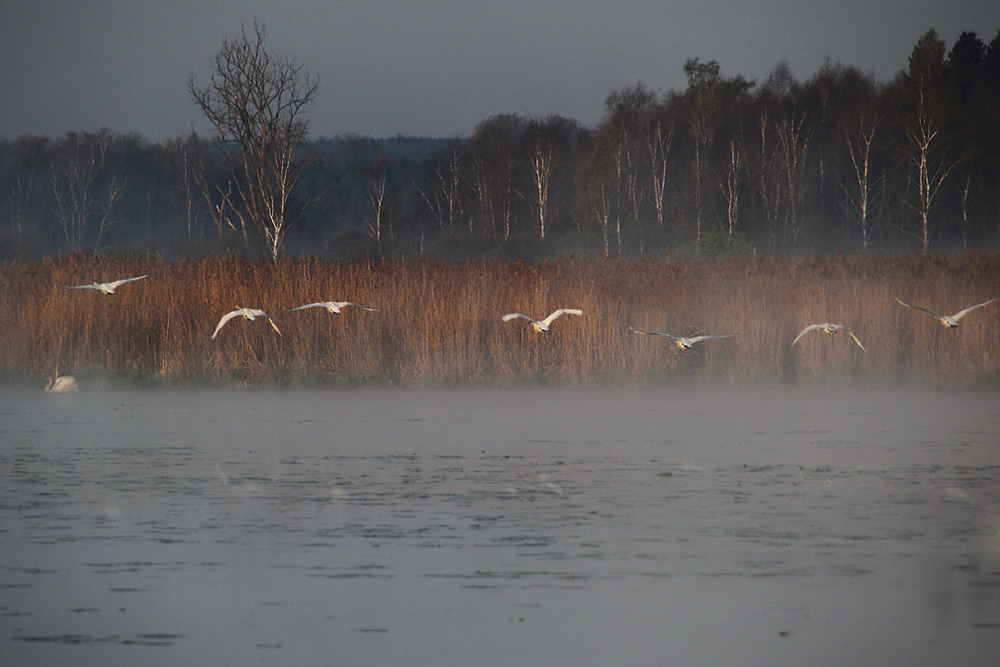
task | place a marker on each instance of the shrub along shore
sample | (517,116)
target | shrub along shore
(439,323)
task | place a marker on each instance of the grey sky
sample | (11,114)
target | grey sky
(431,67)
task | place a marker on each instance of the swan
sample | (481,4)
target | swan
(682,342)
(830,328)
(60,384)
(950,321)
(542,326)
(332,306)
(248,313)
(107,288)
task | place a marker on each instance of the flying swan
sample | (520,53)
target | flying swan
(543,325)
(247,313)
(60,384)
(682,342)
(332,306)
(107,288)
(950,321)
(830,328)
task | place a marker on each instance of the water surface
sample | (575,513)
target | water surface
(499,527)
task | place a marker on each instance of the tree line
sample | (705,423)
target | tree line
(838,162)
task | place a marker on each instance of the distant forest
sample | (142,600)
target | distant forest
(838,162)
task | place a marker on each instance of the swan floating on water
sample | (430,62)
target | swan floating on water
(333,306)
(107,288)
(683,342)
(542,326)
(60,384)
(247,313)
(830,328)
(950,321)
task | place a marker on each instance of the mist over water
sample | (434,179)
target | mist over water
(500,527)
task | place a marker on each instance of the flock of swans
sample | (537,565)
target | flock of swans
(251,314)
(67,383)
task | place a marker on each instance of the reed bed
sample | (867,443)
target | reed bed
(439,323)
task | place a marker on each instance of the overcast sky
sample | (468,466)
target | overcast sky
(431,67)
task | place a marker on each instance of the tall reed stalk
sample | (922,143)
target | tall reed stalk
(439,323)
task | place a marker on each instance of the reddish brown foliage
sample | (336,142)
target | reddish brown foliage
(440,322)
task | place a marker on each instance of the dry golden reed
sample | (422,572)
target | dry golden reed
(439,323)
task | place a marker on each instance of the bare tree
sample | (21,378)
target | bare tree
(547,146)
(931,166)
(256,101)
(443,190)
(27,181)
(924,127)
(731,182)
(794,138)
(597,192)
(493,159)
(541,158)
(860,186)
(84,204)
(376,182)
(659,134)
(185,192)
(767,174)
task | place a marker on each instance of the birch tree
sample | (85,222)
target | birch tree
(860,184)
(376,183)
(256,101)
(86,193)
(928,153)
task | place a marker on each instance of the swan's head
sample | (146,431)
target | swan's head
(539,327)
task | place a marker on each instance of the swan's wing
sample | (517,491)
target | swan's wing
(118,283)
(65,383)
(509,316)
(310,305)
(811,327)
(851,333)
(962,313)
(696,339)
(341,304)
(926,310)
(225,318)
(654,333)
(562,311)
(261,313)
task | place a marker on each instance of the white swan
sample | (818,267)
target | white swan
(247,313)
(830,328)
(60,384)
(682,342)
(107,288)
(543,325)
(332,306)
(950,321)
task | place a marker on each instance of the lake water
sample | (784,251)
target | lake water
(500,527)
